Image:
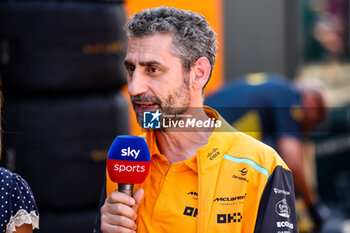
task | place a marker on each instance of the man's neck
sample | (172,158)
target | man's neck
(179,145)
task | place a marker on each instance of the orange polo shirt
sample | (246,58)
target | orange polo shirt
(233,184)
(168,191)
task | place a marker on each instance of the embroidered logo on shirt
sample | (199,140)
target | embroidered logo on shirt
(244,171)
(230,200)
(213,154)
(241,177)
(281,191)
(282,208)
(193,193)
(190,211)
(228,218)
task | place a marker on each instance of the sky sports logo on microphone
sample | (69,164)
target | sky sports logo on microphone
(130,152)
(129,167)
(128,160)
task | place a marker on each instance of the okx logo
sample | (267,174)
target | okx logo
(151,120)
(190,211)
(228,218)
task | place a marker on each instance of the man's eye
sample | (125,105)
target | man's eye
(130,68)
(153,69)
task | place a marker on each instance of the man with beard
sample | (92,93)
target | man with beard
(211,179)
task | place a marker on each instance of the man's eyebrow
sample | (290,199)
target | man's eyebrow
(143,63)
(149,63)
(128,63)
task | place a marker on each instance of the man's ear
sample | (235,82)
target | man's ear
(201,71)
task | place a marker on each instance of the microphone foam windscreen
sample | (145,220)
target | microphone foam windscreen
(128,160)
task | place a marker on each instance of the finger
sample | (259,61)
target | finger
(118,197)
(107,228)
(138,195)
(118,220)
(119,209)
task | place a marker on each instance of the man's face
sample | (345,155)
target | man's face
(156,79)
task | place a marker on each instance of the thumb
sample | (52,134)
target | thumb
(138,195)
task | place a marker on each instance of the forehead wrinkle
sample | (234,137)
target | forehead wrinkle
(144,59)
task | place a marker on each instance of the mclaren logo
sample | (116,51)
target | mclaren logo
(192,193)
(227,199)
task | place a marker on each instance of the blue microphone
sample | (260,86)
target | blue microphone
(128,162)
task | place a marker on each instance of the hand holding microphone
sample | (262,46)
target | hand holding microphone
(128,163)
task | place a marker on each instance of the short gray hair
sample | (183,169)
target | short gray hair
(193,37)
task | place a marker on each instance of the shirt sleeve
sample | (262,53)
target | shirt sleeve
(277,212)
(22,208)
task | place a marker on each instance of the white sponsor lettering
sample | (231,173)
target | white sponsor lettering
(129,168)
(130,152)
(277,191)
(285,224)
(211,122)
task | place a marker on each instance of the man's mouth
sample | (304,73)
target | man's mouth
(145,106)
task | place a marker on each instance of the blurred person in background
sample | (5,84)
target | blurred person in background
(18,210)
(324,30)
(270,109)
(328,31)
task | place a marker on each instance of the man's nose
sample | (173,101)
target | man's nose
(137,83)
